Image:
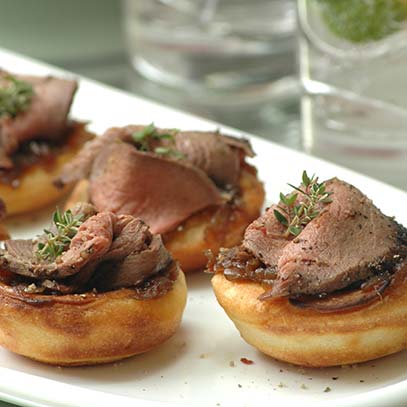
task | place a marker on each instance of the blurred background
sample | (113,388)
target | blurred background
(100,38)
(324,76)
(82,36)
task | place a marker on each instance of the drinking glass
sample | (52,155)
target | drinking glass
(353,69)
(211,47)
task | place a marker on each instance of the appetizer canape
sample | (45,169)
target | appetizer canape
(36,138)
(193,187)
(94,288)
(320,279)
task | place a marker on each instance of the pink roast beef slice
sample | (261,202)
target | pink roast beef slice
(217,155)
(136,267)
(265,238)
(108,252)
(161,191)
(45,117)
(346,243)
(80,167)
(91,242)
(343,300)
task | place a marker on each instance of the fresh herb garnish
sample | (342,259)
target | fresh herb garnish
(56,243)
(149,133)
(295,216)
(16,97)
(142,137)
(169,152)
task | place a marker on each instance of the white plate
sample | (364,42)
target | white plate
(200,365)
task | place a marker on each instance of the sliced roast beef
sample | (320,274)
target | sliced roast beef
(80,167)
(347,242)
(130,235)
(92,241)
(343,258)
(107,252)
(45,118)
(347,299)
(242,144)
(135,267)
(212,153)
(18,254)
(81,211)
(84,210)
(265,238)
(161,191)
(215,154)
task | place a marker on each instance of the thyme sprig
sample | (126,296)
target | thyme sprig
(143,138)
(16,97)
(66,225)
(295,216)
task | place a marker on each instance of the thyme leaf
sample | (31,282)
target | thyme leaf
(144,137)
(16,97)
(66,225)
(297,215)
(280,217)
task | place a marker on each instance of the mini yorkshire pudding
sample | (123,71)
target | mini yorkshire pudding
(319,280)
(195,188)
(95,288)
(36,139)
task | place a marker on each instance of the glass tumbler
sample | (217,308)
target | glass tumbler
(211,47)
(353,69)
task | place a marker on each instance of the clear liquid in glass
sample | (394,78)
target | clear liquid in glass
(355,108)
(203,46)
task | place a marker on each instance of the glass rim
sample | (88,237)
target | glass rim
(393,43)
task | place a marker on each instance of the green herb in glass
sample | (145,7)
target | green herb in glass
(363,21)
(57,242)
(295,216)
(15,97)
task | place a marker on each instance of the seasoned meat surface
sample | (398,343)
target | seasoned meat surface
(212,153)
(350,245)
(81,166)
(215,154)
(265,238)
(162,192)
(91,242)
(44,119)
(130,178)
(107,252)
(347,242)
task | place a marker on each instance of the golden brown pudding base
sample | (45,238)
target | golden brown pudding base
(211,228)
(309,338)
(35,188)
(88,329)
